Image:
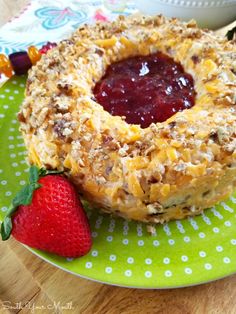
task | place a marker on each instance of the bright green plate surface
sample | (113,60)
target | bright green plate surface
(182,253)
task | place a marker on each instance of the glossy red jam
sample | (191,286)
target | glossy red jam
(145,89)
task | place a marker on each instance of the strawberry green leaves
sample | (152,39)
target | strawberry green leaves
(34,174)
(44,172)
(6,228)
(24,197)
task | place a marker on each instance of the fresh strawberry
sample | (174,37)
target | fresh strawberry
(48,215)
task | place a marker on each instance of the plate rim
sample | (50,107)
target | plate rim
(120,285)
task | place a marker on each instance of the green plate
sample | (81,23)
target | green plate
(182,253)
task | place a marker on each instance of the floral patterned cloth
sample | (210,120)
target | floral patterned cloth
(51,20)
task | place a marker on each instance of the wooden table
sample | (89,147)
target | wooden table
(28,284)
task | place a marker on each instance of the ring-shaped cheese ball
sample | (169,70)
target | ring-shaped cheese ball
(168,170)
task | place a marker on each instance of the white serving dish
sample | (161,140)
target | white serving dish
(212,14)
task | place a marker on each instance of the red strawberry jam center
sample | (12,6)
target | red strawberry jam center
(145,89)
